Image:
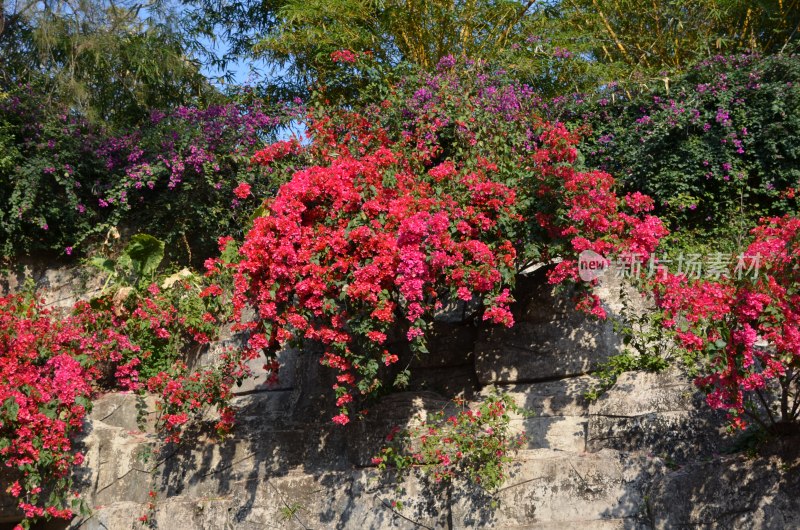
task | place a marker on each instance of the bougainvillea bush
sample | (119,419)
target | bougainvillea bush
(156,327)
(176,177)
(128,339)
(472,443)
(65,182)
(48,179)
(353,253)
(45,392)
(358,252)
(716,149)
(741,330)
(469,112)
(159,331)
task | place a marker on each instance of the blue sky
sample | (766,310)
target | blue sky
(241,70)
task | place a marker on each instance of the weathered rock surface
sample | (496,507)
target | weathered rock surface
(560,489)
(729,492)
(60,287)
(661,413)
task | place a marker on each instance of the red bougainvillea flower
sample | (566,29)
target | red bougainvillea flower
(276,151)
(242,191)
(344,56)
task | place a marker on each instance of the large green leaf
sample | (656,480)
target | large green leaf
(144,253)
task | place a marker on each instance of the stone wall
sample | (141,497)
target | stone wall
(647,454)
(60,287)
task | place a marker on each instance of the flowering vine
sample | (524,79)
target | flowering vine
(358,252)
(45,393)
(475,443)
(742,329)
(353,253)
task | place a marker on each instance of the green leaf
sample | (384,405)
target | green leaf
(145,253)
(231,252)
(102,263)
(258,212)
(11,408)
(402,379)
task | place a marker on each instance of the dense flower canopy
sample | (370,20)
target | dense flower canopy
(359,252)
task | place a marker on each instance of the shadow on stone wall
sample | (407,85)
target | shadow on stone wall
(549,340)
(735,491)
